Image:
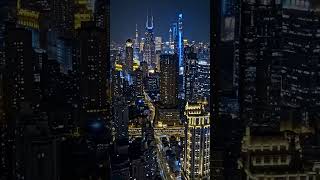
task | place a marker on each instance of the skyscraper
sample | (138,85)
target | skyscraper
(64,54)
(136,45)
(63,13)
(197,150)
(19,69)
(117,83)
(180,46)
(121,120)
(149,44)
(171,39)
(191,74)
(158,43)
(259,53)
(139,85)
(299,68)
(203,80)
(93,67)
(177,33)
(101,10)
(278,73)
(129,57)
(169,80)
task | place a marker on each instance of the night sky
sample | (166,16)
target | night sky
(126,13)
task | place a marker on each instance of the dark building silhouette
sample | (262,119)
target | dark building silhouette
(169,80)
(37,150)
(136,158)
(19,69)
(259,50)
(277,91)
(63,14)
(93,76)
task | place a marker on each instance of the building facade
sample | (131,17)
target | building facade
(169,80)
(197,150)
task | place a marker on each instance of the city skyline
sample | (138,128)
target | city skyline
(165,13)
(86,96)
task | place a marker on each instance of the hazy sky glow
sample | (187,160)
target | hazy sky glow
(126,13)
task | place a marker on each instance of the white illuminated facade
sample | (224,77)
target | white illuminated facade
(197,151)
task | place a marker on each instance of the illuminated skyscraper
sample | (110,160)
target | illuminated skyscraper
(129,57)
(203,80)
(171,39)
(191,75)
(174,35)
(169,80)
(138,82)
(177,33)
(197,151)
(180,45)
(117,83)
(142,46)
(158,44)
(121,120)
(136,46)
(158,54)
(149,44)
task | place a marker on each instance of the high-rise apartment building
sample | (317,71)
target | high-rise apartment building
(197,150)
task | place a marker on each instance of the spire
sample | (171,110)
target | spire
(137,32)
(137,37)
(170,35)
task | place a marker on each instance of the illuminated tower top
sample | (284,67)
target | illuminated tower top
(170,35)
(149,25)
(129,43)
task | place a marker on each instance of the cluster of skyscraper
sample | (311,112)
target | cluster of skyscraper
(155,79)
(74,107)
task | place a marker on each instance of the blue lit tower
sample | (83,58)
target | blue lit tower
(177,31)
(149,44)
(180,44)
